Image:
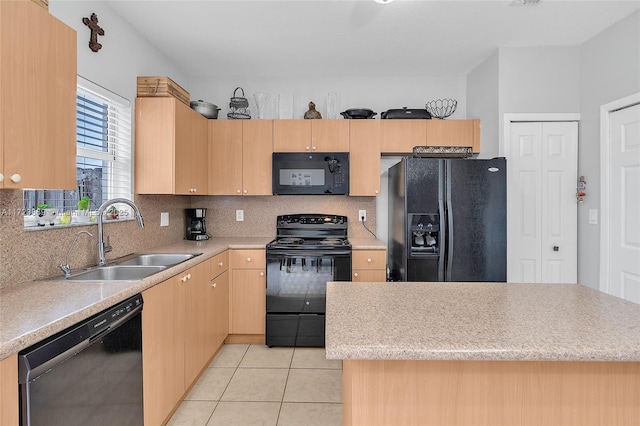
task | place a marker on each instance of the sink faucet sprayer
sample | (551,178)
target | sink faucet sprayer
(102,248)
(65,266)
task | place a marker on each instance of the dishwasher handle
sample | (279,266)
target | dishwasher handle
(44,355)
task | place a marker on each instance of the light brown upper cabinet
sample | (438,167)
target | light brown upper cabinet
(311,135)
(400,136)
(364,157)
(171,148)
(240,157)
(38,67)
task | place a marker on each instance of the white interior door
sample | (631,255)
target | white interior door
(624,204)
(542,206)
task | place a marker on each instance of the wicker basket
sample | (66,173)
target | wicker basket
(238,106)
(42,3)
(150,86)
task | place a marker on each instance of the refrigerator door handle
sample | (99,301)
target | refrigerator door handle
(443,242)
(449,213)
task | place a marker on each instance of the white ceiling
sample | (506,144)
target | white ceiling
(358,38)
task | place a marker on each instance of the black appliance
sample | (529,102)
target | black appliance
(195,224)
(88,374)
(309,251)
(298,173)
(447,220)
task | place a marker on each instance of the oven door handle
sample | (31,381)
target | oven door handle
(307,253)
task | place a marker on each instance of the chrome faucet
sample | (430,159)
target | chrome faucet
(102,248)
(65,266)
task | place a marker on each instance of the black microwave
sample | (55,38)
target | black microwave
(299,173)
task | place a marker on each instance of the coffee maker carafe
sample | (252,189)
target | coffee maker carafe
(195,223)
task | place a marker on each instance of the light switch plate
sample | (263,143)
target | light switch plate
(593,216)
(239,215)
(164,219)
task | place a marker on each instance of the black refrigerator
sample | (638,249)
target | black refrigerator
(448,220)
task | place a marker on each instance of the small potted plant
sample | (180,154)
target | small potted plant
(112,213)
(82,214)
(46,214)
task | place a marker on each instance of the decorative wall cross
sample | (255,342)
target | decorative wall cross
(96,30)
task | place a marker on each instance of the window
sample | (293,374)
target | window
(103,162)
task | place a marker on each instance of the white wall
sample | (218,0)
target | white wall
(537,80)
(376,93)
(483,88)
(124,54)
(610,70)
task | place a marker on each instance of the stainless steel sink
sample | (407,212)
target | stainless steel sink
(116,273)
(158,259)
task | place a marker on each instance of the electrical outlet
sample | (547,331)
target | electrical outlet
(239,215)
(164,219)
(362,215)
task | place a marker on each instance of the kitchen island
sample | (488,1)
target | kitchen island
(484,354)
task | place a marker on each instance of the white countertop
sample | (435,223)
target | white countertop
(479,321)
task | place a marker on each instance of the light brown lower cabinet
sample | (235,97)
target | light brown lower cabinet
(369,265)
(9,408)
(184,323)
(163,372)
(248,292)
(496,393)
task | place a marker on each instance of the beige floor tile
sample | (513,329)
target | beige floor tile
(229,356)
(310,414)
(261,356)
(193,413)
(211,384)
(245,414)
(313,358)
(256,384)
(314,385)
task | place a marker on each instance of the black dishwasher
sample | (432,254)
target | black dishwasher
(87,374)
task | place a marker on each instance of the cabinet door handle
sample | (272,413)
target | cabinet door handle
(183,279)
(245,191)
(1,177)
(355,274)
(262,274)
(238,191)
(248,259)
(368,260)
(313,148)
(188,276)
(214,285)
(376,191)
(16,178)
(307,148)
(220,264)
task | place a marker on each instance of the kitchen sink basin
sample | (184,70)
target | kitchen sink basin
(158,259)
(116,273)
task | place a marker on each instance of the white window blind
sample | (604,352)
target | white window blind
(103,162)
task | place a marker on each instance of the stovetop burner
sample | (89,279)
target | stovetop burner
(290,241)
(302,231)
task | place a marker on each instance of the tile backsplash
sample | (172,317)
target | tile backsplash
(27,255)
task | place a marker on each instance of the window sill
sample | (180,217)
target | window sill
(30,224)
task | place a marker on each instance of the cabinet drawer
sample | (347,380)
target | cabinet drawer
(369,275)
(369,259)
(248,259)
(219,263)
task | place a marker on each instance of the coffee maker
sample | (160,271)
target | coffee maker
(195,222)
